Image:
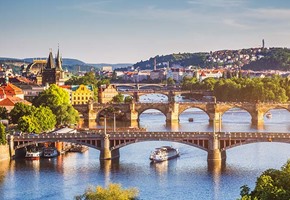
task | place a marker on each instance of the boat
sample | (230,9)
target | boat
(78,148)
(33,154)
(163,153)
(269,115)
(50,152)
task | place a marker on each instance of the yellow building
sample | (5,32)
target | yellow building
(107,93)
(81,94)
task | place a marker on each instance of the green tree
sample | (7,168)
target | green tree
(66,115)
(128,99)
(19,111)
(28,124)
(112,192)
(271,185)
(52,97)
(41,120)
(57,99)
(170,81)
(3,113)
(119,98)
(3,140)
(45,119)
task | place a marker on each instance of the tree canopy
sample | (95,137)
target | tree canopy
(57,99)
(42,119)
(2,135)
(273,89)
(273,184)
(112,192)
(119,98)
(20,110)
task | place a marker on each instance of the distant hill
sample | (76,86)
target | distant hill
(114,66)
(65,61)
(69,62)
(248,59)
(273,59)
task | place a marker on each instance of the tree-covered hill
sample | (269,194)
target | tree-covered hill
(252,59)
(274,59)
(184,59)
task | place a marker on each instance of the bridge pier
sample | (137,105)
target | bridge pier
(215,119)
(11,146)
(172,115)
(215,157)
(106,153)
(258,118)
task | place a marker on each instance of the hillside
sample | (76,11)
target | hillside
(250,59)
(68,63)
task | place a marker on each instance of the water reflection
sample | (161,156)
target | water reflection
(5,165)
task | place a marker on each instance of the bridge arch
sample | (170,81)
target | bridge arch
(247,142)
(195,109)
(159,139)
(277,107)
(236,106)
(235,113)
(140,112)
(25,144)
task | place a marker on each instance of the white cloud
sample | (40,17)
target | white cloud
(270,13)
(218,3)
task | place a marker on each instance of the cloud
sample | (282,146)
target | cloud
(270,13)
(218,3)
(235,24)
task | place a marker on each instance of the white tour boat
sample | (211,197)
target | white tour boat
(33,155)
(164,153)
(50,152)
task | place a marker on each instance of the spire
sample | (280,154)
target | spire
(50,62)
(58,61)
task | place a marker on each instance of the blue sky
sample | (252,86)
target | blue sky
(119,31)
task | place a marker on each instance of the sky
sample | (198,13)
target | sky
(128,31)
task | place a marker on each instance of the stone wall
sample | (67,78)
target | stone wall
(4,152)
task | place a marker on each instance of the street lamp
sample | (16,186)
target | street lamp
(115,119)
(105,125)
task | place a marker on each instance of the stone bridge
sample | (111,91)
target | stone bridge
(109,143)
(172,110)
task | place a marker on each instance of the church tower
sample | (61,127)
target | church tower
(53,73)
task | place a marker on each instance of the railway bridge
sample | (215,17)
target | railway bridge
(109,143)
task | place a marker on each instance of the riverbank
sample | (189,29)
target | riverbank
(4,152)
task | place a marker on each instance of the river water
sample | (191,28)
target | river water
(186,177)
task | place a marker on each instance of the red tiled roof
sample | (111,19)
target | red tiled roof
(11,89)
(11,101)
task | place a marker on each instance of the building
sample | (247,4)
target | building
(10,95)
(44,72)
(9,102)
(81,94)
(34,69)
(106,93)
(52,73)
(10,90)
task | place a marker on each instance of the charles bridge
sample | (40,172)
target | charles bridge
(172,110)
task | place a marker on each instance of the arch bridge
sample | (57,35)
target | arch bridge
(172,110)
(215,144)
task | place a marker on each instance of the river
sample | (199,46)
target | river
(186,177)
